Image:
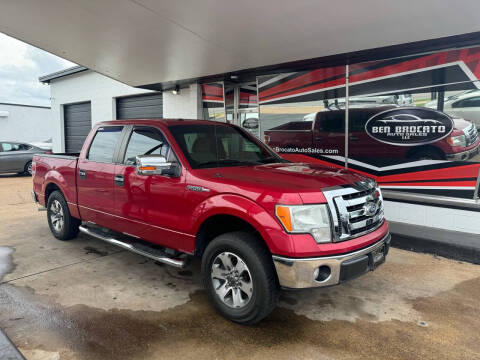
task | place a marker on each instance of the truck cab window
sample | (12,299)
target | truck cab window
(207,146)
(103,145)
(332,121)
(147,141)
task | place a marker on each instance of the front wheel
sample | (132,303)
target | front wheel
(62,225)
(240,277)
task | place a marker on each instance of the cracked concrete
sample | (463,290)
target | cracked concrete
(84,299)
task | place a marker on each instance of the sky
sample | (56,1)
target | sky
(20,67)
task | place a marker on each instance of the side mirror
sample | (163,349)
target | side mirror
(156,165)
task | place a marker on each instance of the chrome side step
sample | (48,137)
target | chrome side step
(137,248)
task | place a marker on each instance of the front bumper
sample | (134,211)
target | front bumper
(299,273)
(464,155)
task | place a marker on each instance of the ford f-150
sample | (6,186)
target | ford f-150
(172,189)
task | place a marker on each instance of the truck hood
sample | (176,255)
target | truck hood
(307,180)
(460,124)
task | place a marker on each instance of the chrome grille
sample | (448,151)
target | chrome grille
(471,134)
(349,208)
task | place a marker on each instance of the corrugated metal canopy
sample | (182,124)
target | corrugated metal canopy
(142,42)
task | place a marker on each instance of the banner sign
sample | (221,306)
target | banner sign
(409,126)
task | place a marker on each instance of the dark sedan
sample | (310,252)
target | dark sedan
(17,157)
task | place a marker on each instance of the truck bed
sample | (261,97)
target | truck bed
(61,167)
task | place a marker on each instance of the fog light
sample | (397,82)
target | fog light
(322,273)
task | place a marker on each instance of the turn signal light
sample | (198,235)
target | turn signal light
(147,168)
(283,214)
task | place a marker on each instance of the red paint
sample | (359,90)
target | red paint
(325,78)
(161,210)
(364,146)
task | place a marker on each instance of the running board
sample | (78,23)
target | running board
(137,248)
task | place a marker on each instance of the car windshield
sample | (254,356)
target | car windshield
(208,146)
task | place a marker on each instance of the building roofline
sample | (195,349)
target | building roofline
(374,54)
(25,105)
(66,72)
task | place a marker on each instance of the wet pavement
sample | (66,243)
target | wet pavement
(84,299)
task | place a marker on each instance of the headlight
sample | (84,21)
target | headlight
(458,140)
(306,219)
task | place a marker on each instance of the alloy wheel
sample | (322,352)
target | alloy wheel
(56,215)
(231,280)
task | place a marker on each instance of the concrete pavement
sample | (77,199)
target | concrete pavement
(83,299)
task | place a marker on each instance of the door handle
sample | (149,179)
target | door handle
(82,174)
(318,138)
(353,138)
(119,180)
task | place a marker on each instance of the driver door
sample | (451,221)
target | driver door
(150,206)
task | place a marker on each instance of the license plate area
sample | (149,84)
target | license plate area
(377,257)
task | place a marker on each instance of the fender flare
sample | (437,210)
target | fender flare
(56,178)
(245,209)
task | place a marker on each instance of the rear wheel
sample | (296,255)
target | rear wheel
(62,225)
(240,278)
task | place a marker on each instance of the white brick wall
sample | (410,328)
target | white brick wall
(186,105)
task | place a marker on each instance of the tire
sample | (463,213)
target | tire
(252,293)
(62,225)
(28,169)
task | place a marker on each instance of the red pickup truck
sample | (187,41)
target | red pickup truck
(171,189)
(325,132)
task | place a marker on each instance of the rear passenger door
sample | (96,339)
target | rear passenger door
(360,144)
(151,206)
(329,132)
(95,177)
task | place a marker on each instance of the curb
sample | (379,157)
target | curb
(449,244)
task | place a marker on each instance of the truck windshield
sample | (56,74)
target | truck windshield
(208,146)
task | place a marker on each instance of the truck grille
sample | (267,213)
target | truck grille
(471,134)
(356,209)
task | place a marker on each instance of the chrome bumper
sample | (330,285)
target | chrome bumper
(299,273)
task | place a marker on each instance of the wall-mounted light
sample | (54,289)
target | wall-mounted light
(176,91)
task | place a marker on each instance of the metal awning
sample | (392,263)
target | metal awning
(141,42)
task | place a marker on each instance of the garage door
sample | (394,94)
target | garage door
(78,123)
(140,106)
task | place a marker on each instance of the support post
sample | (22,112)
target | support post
(347,106)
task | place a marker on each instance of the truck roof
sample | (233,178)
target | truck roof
(165,122)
